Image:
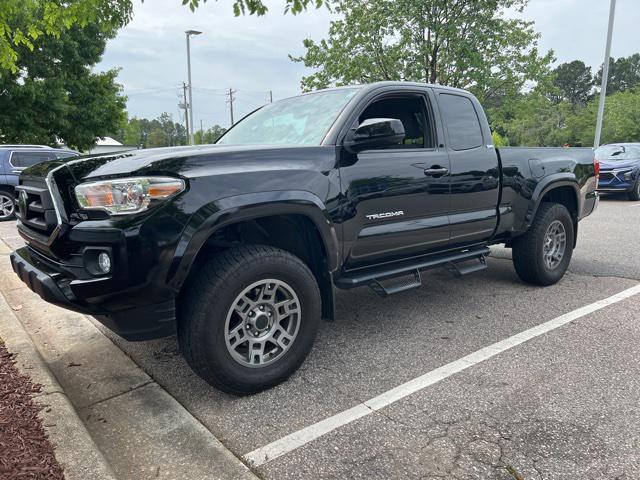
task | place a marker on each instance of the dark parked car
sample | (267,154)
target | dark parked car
(238,247)
(14,159)
(620,169)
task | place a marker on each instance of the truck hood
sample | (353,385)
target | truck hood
(189,162)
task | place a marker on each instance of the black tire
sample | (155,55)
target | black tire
(213,292)
(634,194)
(5,214)
(528,249)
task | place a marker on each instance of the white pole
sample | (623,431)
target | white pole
(190,91)
(605,75)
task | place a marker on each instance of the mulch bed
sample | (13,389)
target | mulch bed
(25,451)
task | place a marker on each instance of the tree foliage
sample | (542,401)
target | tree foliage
(574,81)
(53,95)
(621,121)
(460,43)
(24,22)
(209,136)
(624,74)
(161,132)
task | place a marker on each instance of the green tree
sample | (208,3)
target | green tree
(209,136)
(621,121)
(624,74)
(534,119)
(451,42)
(23,22)
(54,95)
(145,133)
(574,81)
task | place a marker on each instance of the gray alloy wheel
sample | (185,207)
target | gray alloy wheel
(555,243)
(7,206)
(262,323)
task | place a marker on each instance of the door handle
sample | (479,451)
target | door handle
(436,171)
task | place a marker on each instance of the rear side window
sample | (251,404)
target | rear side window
(462,121)
(28,159)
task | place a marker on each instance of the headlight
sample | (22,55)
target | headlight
(127,195)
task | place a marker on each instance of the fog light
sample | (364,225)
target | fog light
(104,262)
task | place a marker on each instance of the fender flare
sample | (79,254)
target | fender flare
(229,210)
(549,183)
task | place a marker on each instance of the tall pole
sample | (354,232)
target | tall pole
(188,33)
(270,96)
(231,93)
(201,133)
(185,105)
(605,75)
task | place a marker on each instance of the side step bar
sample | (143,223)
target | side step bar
(374,277)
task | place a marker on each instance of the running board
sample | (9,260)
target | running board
(459,270)
(389,286)
(374,277)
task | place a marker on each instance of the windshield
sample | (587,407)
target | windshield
(618,152)
(302,120)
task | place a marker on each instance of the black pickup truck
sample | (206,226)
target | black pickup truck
(238,247)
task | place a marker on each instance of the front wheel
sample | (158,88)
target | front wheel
(249,318)
(542,255)
(7,206)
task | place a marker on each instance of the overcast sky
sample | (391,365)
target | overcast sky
(250,54)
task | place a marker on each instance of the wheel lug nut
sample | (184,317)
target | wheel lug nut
(261,307)
(256,334)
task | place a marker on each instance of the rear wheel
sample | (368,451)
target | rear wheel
(635,193)
(249,318)
(7,206)
(542,255)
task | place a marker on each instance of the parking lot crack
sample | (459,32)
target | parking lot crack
(119,394)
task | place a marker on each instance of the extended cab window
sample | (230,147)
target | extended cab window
(411,111)
(461,120)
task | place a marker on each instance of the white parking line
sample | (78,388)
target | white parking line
(301,437)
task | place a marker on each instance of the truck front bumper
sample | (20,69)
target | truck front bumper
(52,285)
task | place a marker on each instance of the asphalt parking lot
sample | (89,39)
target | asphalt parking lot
(563,404)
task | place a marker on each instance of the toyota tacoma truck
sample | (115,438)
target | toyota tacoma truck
(238,247)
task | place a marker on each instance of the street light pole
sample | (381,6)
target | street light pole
(605,75)
(188,34)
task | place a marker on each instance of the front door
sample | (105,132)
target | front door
(396,198)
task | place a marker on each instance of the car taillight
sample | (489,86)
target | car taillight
(596,167)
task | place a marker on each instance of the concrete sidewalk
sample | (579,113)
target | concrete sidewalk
(132,422)
(74,448)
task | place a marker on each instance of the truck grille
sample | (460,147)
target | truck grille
(35,210)
(606,175)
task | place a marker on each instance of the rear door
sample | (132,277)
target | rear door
(474,169)
(396,198)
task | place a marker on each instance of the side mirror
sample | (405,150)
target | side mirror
(374,133)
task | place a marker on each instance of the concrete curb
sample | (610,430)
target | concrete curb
(74,447)
(136,427)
